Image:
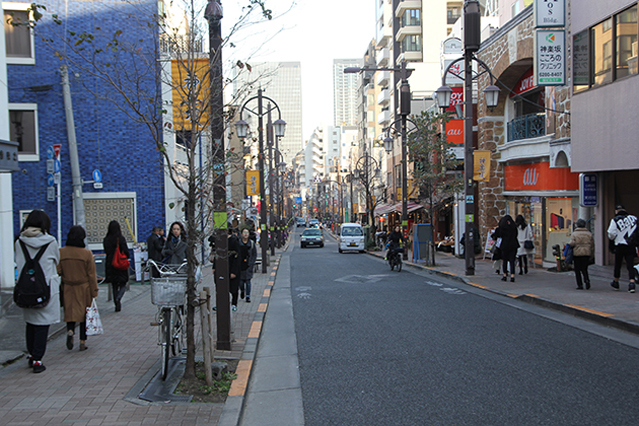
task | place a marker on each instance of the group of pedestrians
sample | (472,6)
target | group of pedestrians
(513,244)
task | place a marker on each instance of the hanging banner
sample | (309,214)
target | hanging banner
(191,91)
(481,167)
(252,182)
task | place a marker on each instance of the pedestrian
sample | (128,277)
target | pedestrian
(33,236)
(235,267)
(507,231)
(155,244)
(525,240)
(248,257)
(621,228)
(496,252)
(117,277)
(583,247)
(79,283)
(174,251)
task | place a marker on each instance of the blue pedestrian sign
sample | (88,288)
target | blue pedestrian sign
(50,152)
(97,176)
(50,180)
(588,194)
(56,166)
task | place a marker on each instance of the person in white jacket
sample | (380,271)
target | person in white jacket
(524,233)
(35,234)
(621,228)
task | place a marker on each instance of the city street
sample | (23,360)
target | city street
(381,347)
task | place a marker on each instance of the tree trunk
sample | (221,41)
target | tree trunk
(190,283)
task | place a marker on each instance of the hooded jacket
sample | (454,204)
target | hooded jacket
(621,227)
(34,238)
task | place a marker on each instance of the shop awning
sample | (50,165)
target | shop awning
(384,209)
(411,207)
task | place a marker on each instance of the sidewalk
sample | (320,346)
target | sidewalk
(100,386)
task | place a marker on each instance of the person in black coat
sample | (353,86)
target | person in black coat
(154,244)
(117,278)
(507,231)
(174,251)
(235,268)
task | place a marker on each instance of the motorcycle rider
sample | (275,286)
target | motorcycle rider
(394,240)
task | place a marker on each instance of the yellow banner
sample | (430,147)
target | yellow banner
(481,166)
(252,182)
(190,81)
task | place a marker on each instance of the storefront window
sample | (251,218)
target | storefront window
(531,210)
(561,214)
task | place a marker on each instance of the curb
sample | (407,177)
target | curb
(575,310)
(234,403)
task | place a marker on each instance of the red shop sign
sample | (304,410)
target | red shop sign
(455,131)
(539,177)
(456,98)
(525,84)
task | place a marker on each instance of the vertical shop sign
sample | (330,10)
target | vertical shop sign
(550,13)
(550,57)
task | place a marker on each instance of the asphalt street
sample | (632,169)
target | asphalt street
(377,347)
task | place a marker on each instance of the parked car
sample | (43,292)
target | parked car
(351,237)
(312,237)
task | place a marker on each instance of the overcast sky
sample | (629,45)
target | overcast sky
(313,32)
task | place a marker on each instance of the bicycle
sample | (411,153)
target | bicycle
(168,291)
(395,258)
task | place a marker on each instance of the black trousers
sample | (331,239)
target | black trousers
(508,258)
(623,252)
(83,329)
(581,269)
(118,291)
(37,340)
(234,288)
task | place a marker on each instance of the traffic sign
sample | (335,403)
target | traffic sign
(56,149)
(50,180)
(97,176)
(56,178)
(56,166)
(50,165)
(97,185)
(50,193)
(50,153)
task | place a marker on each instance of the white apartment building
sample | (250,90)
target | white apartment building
(345,92)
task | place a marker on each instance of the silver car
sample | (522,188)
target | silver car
(312,237)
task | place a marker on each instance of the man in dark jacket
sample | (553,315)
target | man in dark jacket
(154,244)
(622,226)
(235,268)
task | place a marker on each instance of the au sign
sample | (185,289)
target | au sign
(455,131)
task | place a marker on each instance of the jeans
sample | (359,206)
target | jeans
(581,268)
(623,252)
(37,340)
(245,286)
(118,291)
(83,329)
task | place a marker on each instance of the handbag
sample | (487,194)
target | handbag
(120,261)
(528,245)
(94,324)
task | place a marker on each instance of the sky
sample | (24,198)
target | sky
(313,32)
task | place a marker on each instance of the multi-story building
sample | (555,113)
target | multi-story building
(108,140)
(282,82)
(345,92)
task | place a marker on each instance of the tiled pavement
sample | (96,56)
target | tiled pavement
(90,388)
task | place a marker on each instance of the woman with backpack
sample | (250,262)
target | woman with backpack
(79,283)
(117,277)
(35,242)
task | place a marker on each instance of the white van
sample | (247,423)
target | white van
(351,237)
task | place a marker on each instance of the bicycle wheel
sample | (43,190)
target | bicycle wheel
(391,262)
(399,263)
(176,333)
(166,341)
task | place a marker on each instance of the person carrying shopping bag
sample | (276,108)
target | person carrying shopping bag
(583,247)
(79,283)
(526,246)
(117,277)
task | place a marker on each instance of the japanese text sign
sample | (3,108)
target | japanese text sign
(252,182)
(550,58)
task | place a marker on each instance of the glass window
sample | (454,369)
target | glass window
(626,62)
(601,36)
(22,129)
(411,17)
(18,38)
(412,43)
(581,61)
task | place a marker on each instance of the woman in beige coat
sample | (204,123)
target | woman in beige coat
(79,283)
(583,248)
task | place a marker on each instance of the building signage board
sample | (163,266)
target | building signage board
(581,58)
(550,13)
(588,196)
(456,98)
(452,46)
(453,72)
(550,58)
(539,177)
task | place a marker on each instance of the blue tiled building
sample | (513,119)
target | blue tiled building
(110,136)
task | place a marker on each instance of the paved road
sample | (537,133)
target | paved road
(379,348)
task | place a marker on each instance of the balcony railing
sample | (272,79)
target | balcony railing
(526,127)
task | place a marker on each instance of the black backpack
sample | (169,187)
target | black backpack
(32,290)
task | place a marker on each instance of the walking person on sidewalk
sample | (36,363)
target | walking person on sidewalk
(34,235)
(79,283)
(524,234)
(621,228)
(174,251)
(583,247)
(248,257)
(117,278)
(507,231)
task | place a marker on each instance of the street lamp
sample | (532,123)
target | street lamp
(472,40)
(242,130)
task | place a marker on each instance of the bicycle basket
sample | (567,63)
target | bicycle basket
(168,291)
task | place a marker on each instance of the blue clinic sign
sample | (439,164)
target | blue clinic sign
(588,194)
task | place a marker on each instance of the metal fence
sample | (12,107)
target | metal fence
(527,126)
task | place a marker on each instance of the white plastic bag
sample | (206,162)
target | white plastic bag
(94,324)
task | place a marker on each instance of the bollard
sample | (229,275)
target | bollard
(206,341)
(210,317)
